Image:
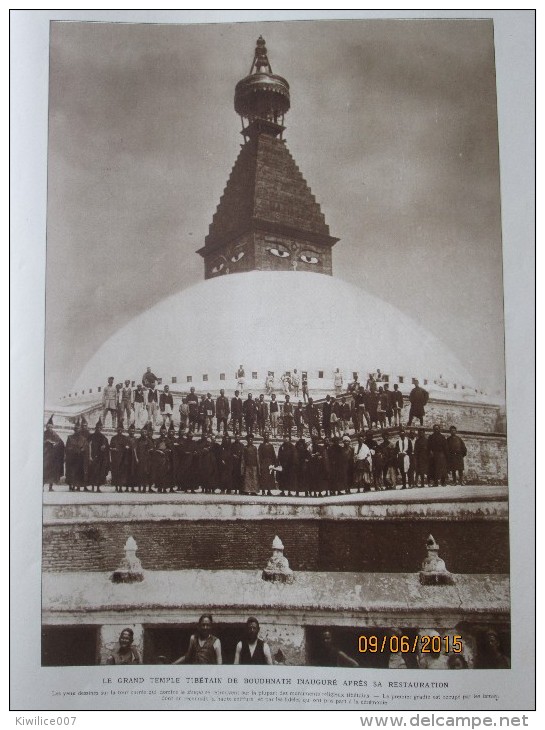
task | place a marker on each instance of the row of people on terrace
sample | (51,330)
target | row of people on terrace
(176,461)
(362,408)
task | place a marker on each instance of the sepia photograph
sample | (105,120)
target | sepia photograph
(275,426)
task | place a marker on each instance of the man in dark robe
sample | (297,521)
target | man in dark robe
(334,455)
(438,457)
(302,457)
(236,413)
(176,440)
(99,457)
(287,417)
(149,379)
(412,462)
(418,398)
(389,462)
(396,401)
(236,453)
(222,411)
(372,401)
(287,478)
(421,457)
(267,459)
(262,414)
(327,409)
(250,414)
(360,410)
(345,467)
(132,461)
(299,418)
(119,458)
(188,466)
(313,418)
(202,415)
(319,472)
(225,464)
(388,405)
(378,463)
(161,462)
(144,446)
(216,450)
(250,468)
(193,406)
(77,459)
(456,452)
(208,469)
(53,455)
(85,429)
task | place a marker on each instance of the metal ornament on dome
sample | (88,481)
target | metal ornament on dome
(262,98)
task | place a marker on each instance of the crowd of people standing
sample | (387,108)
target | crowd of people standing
(177,460)
(191,455)
(372,405)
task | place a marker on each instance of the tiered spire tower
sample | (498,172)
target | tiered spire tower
(267,218)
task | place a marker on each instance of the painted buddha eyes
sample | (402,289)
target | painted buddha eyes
(237,256)
(218,267)
(279,253)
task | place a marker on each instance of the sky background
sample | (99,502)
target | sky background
(393,124)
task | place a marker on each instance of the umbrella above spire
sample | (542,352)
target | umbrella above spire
(262,98)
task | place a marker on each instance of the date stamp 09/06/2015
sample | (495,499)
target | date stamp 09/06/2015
(422,644)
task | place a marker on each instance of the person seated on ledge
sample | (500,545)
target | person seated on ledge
(126,653)
(252,649)
(204,647)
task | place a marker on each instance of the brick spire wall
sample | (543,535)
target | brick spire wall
(267,219)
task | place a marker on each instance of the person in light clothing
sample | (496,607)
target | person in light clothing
(139,405)
(126,402)
(363,462)
(338,382)
(295,383)
(109,402)
(404,450)
(166,405)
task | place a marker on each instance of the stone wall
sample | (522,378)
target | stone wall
(465,416)
(486,461)
(474,546)
(290,644)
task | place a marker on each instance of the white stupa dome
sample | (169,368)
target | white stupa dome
(270,321)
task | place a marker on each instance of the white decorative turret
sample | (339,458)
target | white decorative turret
(278,569)
(131,567)
(434,571)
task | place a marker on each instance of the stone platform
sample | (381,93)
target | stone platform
(163,608)
(371,532)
